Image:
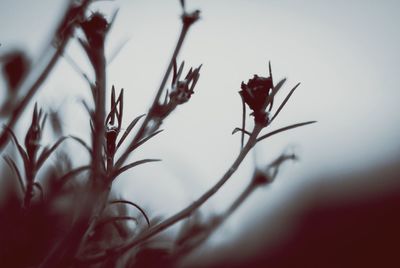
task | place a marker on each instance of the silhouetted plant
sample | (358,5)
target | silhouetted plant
(96,226)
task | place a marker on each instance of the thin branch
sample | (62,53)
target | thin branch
(142,131)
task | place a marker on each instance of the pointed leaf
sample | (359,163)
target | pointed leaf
(110,116)
(47,151)
(278,87)
(237,129)
(77,69)
(141,142)
(178,76)
(43,121)
(112,104)
(82,142)
(284,103)
(21,150)
(189,74)
(128,130)
(182,4)
(117,50)
(274,92)
(35,114)
(174,67)
(112,20)
(133,164)
(243,124)
(72,173)
(284,129)
(37,185)
(14,167)
(121,108)
(270,71)
(195,79)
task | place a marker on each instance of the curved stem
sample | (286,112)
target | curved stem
(186,211)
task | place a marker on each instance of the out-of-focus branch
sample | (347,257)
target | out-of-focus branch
(260,178)
(61,37)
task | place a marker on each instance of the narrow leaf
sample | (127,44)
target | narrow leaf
(82,142)
(182,4)
(240,130)
(48,151)
(21,150)
(178,76)
(278,87)
(270,71)
(121,107)
(77,69)
(284,102)
(284,129)
(112,104)
(117,50)
(243,124)
(110,116)
(141,142)
(112,20)
(274,92)
(128,130)
(174,67)
(133,164)
(37,185)
(14,167)
(72,173)
(195,79)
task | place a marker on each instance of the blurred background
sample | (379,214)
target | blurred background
(339,202)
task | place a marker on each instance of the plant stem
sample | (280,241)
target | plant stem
(99,117)
(101,186)
(149,117)
(188,210)
(20,107)
(215,224)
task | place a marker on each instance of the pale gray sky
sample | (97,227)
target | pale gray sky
(345,54)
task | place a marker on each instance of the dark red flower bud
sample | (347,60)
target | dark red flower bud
(95,29)
(34,134)
(256,94)
(15,67)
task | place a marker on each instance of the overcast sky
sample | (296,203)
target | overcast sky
(344,53)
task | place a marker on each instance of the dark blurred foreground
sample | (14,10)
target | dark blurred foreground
(351,220)
(348,221)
